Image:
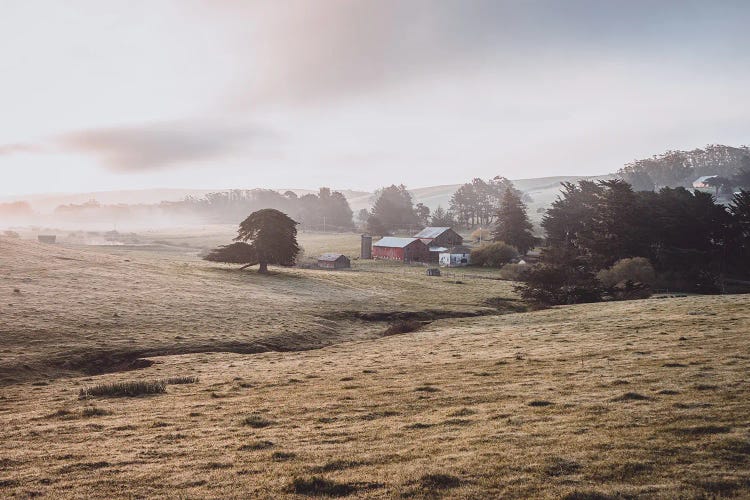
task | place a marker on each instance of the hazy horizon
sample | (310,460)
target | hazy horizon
(354,95)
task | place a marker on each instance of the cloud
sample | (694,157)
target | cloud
(161,145)
(19,147)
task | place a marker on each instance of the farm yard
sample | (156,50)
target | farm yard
(421,386)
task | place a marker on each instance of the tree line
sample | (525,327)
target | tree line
(693,243)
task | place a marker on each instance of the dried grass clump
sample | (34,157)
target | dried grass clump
(128,389)
(180,380)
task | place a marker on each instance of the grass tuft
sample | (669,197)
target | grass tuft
(131,388)
(320,486)
(181,380)
(256,421)
(439,481)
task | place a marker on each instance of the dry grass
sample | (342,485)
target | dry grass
(641,399)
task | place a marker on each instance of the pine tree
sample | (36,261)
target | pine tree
(513,225)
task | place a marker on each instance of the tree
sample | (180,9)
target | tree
(394,209)
(742,177)
(273,240)
(513,225)
(721,184)
(441,218)
(423,214)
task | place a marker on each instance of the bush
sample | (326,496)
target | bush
(493,255)
(637,270)
(11,234)
(124,389)
(513,272)
(548,284)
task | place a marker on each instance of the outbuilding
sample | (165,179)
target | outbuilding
(403,249)
(439,237)
(456,256)
(334,261)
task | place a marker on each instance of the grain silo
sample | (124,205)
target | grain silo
(366,252)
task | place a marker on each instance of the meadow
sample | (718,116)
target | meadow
(144,371)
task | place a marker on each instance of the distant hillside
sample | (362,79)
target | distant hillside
(681,168)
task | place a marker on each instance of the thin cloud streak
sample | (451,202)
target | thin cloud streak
(161,145)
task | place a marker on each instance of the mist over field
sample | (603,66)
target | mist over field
(374,249)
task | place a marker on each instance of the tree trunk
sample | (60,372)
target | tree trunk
(263,268)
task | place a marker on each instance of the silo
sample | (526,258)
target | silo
(366,252)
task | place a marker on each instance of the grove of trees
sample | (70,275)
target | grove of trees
(691,241)
(476,203)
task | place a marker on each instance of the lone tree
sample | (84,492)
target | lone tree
(272,238)
(513,226)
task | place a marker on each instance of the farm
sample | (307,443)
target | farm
(475,396)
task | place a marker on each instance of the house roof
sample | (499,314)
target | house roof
(438,249)
(431,232)
(704,178)
(393,242)
(330,257)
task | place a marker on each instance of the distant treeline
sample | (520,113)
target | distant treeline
(681,168)
(325,211)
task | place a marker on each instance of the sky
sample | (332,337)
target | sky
(112,95)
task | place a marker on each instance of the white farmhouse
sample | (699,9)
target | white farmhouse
(456,256)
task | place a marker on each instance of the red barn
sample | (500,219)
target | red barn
(403,249)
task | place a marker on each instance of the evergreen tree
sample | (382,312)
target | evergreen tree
(513,225)
(273,240)
(393,209)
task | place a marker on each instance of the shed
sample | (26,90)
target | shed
(403,249)
(439,236)
(456,256)
(334,261)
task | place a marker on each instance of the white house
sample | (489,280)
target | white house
(457,256)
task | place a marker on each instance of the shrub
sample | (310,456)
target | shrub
(637,270)
(548,284)
(513,272)
(11,234)
(493,255)
(131,388)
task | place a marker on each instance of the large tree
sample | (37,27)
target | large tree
(513,225)
(265,237)
(393,210)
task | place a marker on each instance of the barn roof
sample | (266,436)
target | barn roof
(393,242)
(330,257)
(431,232)
(704,178)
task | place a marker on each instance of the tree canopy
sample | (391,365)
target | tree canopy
(272,237)
(513,225)
(393,210)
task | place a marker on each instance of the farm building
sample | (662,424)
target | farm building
(334,261)
(702,182)
(439,237)
(403,249)
(456,256)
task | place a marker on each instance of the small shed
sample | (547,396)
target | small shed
(457,256)
(334,261)
(47,238)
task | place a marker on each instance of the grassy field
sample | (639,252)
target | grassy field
(640,399)
(74,309)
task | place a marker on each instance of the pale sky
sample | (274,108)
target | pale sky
(108,95)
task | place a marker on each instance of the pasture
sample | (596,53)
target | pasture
(288,386)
